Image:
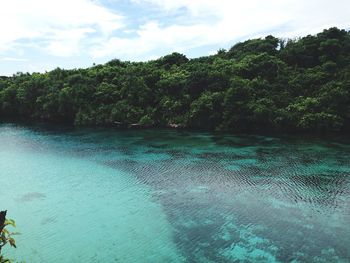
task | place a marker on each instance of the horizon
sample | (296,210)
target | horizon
(39,36)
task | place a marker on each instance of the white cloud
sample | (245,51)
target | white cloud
(58,25)
(13,59)
(151,37)
(88,30)
(67,42)
(222,22)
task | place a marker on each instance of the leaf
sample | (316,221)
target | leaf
(3,239)
(10,222)
(12,242)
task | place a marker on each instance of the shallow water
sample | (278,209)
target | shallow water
(83,195)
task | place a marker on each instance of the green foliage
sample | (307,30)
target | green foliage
(6,237)
(205,112)
(259,85)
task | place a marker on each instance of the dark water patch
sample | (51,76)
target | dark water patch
(282,203)
(221,156)
(48,220)
(30,197)
(159,145)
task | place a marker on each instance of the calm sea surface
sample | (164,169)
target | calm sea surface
(101,195)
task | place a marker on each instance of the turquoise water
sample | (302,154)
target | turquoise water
(101,195)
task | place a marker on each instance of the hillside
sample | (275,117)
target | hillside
(259,85)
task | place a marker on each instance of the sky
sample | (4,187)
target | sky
(40,35)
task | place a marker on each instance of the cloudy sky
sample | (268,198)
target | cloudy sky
(39,35)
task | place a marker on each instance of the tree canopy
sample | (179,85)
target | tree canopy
(259,85)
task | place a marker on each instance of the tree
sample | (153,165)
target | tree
(205,112)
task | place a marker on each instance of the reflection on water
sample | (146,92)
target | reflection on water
(167,196)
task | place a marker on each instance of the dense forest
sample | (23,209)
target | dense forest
(260,85)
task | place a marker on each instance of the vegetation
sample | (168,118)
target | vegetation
(260,85)
(6,237)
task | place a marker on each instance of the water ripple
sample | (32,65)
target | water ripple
(164,196)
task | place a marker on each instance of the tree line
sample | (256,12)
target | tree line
(260,85)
